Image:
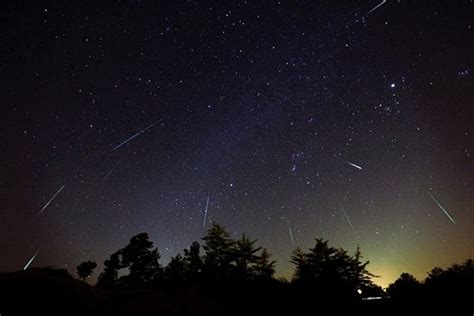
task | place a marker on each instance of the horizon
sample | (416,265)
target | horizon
(380,279)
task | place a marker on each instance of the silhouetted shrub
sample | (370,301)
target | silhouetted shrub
(85,269)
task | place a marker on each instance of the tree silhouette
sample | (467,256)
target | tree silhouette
(244,255)
(193,261)
(176,269)
(109,277)
(330,267)
(456,275)
(327,274)
(224,259)
(85,269)
(452,286)
(372,290)
(218,247)
(406,290)
(303,267)
(264,268)
(141,260)
(358,275)
(435,273)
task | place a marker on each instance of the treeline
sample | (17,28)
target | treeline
(325,270)
(221,258)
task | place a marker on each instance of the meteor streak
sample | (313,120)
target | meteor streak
(31,260)
(441,207)
(51,200)
(290,231)
(107,175)
(205,212)
(350,163)
(374,8)
(347,218)
(135,135)
(354,165)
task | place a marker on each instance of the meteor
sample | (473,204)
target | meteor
(354,165)
(441,207)
(350,163)
(135,135)
(31,260)
(347,218)
(290,231)
(205,212)
(51,200)
(374,8)
(107,175)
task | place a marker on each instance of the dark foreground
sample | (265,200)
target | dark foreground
(39,293)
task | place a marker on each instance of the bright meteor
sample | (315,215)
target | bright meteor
(354,165)
(374,8)
(205,212)
(29,262)
(350,163)
(441,207)
(51,200)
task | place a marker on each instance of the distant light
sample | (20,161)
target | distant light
(372,298)
(359,291)
(392,85)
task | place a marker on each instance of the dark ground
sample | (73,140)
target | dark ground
(55,293)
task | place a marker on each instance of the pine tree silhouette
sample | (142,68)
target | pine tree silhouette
(176,269)
(330,267)
(193,262)
(218,247)
(244,255)
(264,268)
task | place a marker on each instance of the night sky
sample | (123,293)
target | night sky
(299,120)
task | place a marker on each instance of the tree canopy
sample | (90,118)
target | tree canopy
(85,269)
(139,258)
(327,266)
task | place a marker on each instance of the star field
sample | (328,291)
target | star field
(297,119)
